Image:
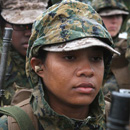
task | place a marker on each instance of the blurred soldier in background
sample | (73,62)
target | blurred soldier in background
(114,13)
(128,41)
(20,16)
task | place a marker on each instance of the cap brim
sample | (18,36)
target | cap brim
(79,44)
(113,12)
(21,17)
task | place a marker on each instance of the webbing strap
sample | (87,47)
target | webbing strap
(20,116)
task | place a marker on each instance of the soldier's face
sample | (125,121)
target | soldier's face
(20,37)
(113,24)
(72,79)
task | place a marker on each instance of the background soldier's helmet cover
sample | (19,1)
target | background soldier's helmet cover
(111,7)
(64,22)
(22,11)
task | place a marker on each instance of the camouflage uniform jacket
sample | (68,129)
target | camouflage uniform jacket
(15,75)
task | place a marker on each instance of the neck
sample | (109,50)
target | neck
(71,111)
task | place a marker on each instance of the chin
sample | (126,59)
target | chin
(113,34)
(83,102)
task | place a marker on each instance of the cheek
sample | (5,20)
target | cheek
(15,39)
(106,22)
(100,75)
(120,23)
(55,77)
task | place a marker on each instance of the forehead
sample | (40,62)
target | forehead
(89,49)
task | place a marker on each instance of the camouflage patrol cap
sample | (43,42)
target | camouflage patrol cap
(22,11)
(59,24)
(110,7)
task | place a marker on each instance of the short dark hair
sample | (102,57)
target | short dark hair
(42,55)
(2,24)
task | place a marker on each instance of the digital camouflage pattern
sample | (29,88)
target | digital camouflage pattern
(67,21)
(98,5)
(22,11)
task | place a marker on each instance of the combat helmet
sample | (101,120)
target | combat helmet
(110,7)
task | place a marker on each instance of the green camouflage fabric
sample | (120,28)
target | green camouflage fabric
(102,4)
(22,11)
(67,21)
(15,77)
(128,41)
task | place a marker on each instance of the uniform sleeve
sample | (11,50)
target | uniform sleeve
(3,123)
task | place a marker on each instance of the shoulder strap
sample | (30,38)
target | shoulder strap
(20,116)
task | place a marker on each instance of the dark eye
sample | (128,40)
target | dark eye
(97,58)
(69,57)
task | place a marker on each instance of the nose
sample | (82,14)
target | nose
(85,69)
(114,19)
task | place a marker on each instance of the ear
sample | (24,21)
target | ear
(37,66)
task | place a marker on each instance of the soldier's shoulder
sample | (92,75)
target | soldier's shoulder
(3,122)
